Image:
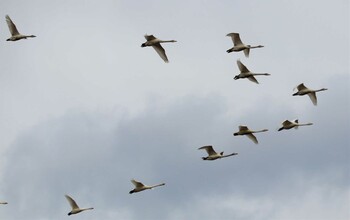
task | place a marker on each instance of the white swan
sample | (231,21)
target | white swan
(75,207)
(239,46)
(212,155)
(155,43)
(303,90)
(140,187)
(245,73)
(244,130)
(14,32)
(3,203)
(292,124)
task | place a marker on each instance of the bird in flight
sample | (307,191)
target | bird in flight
(212,154)
(74,206)
(155,43)
(140,186)
(15,35)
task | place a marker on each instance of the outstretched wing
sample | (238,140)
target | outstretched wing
(11,26)
(286,123)
(313,97)
(253,79)
(300,87)
(246,52)
(243,128)
(253,138)
(161,52)
(136,183)
(209,149)
(242,67)
(149,37)
(235,38)
(72,203)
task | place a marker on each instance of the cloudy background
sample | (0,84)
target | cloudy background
(84,109)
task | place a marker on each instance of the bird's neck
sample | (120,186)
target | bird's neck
(167,41)
(260,131)
(258,46)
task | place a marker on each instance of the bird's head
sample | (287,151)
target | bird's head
(143,45)
(236,77)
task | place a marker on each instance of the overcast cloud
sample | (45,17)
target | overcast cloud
(84,109)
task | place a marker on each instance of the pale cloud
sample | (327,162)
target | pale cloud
(308,200)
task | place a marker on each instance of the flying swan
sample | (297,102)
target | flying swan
(212,155)
(245,73)
(75,207)
(239,46)
(140,186)
(286,125)
(14,32)
(244,130)
(155,43)
(303,90)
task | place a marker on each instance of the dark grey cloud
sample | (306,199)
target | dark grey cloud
(93,156)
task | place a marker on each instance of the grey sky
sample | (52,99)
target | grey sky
(84,109)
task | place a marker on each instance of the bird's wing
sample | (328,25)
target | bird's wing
(235,38)
(242,67)
(243,128)
(253,79)
(72,203)
(209,149)
(313,97)
(161,52)
(150,37)
(286,123)
(136,183)
(246,52)
(300,87)
(252,137)
(12,26)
